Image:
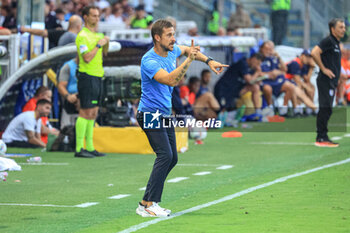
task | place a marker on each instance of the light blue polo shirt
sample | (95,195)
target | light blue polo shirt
(156,96)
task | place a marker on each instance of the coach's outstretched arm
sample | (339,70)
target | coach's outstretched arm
(316,55)
(173,78)
(215,66)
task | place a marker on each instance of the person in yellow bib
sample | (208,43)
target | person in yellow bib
(91,46)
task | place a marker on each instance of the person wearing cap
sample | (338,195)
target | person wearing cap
(299,72)
(141,19)
(327,56)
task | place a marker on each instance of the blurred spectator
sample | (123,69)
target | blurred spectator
(221,31)
(205,106)
(40,94)
(239,19)
(25,129)
(205,80)
(239,79)
(141,19)
(60,15)
(193,31)
(344,75)
(102,4)
(279,19)
(10,21)
(105,13)
(214,23)
(299,72)
(117,14)
(68,89)
(51,22)
(68,9)
(74,27)
(233,32)
(52,6)
(3,13)
(6,2)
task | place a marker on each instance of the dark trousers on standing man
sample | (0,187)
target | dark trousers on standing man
(163,143)
(326,92)
(279,21)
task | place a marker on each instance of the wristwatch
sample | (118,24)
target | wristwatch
(208,60)
(98,46)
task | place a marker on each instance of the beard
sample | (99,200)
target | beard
(166,48)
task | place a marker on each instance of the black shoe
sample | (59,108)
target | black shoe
(83,154)
(325,142)
(96,153)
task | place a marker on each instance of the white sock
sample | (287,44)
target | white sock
(283,110)
(309,111)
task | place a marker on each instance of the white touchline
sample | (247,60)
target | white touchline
(224,167)
(197,165)
(51,164)
(83,205)
(336,138)
(347,135)
(142,189)
(283,143)
(119,196)
(201,173)
(177,179)
(230,197)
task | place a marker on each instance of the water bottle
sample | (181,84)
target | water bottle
(34,160)
(3,176)
(3,51)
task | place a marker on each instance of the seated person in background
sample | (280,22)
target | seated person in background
(274,67)
(68,89)
(240,78)
(141,19)
(24,130)
(40,94)
(239,19)
(204,107)
(299,71)
(343,83)
(205,80)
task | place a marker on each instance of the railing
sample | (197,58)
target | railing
(9,62)
(130,34)
(257,33)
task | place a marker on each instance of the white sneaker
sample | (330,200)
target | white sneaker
(140,210)
(166,210)
(156,211)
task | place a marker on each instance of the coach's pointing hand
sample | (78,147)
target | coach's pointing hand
(217,67)
(193,51)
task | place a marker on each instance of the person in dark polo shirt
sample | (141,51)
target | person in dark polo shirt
(327,56)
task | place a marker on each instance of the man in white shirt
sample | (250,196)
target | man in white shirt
(24,129)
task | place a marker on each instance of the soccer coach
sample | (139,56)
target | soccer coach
(90,46)
(158,77)
(327,56)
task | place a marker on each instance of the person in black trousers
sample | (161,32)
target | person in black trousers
(327,56)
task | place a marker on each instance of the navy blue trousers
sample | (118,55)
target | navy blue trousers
(163,143)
